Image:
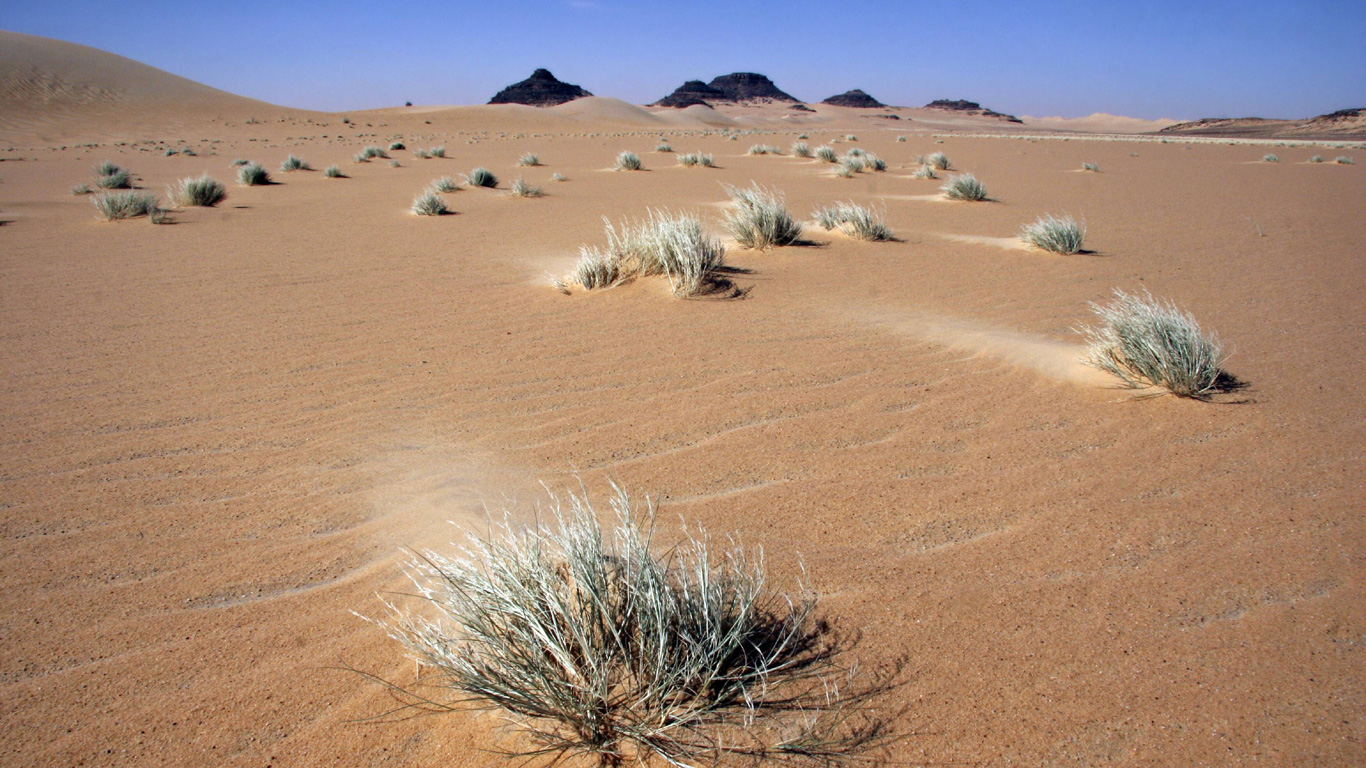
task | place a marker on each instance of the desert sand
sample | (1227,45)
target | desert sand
(221,435)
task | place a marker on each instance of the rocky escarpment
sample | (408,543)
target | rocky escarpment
(735,88)
(856,99)
(1344,123)
(970,108)
(542,89)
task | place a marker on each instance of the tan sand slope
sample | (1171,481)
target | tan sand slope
(1099,122)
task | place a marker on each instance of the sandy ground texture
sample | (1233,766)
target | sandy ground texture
(218,435)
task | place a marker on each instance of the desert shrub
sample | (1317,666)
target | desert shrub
(429,204)
(664,146)
(334,172)
(901,139)
(1271,158)
(1090,167)
(239,161)
(170,152)
(397,145)
(361,158)
(422,154)
(444,184)
(393,164)
(295,163)
(1316,159)
(844,172)
(964,186)
(852,163)
(938,160)
(437,151)
(558,177)
(760,218)
(81,189)
(372,152)
(1150,342)
(204,191)
(1059,235)
(627,161)
(112,206)
(107,168)
(856,152)
(873,162)
(598,648)
(803,136)
(669,244)
(850,137)
(924,172)
(520,188)
(595,269)
(763,149)
(801,149)
(693,159)
(827,154)
(1343,160)
(854,220)
(481,177)
(119,179)
(529,159)
(252,175)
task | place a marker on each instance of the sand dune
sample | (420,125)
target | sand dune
(218,435)
(1098,122)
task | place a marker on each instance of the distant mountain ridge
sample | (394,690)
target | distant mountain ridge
(970,108)
(1343,123)
(856,99)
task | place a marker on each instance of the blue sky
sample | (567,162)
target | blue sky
(1162,58)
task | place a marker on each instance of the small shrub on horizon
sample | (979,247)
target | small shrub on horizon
(1271,158)
(393,164)
(693,159)
(204,191)
(421,154)
(557,176)
(529,159)
(1316,159)
(295,163)
(901,139)
(664,146)
(81,189)
(939,161)
(850,137)
(760,219)
(397,145)
(437,151)
(1090,167)
(1343,160)
(429,204)
(520,188)
(1059,235)
(803,136)
(853,220)
(252,175)
(113,206)
(763,149)
(627,161)
(964,186)
(445,184)
(334,172)
(1150,342)
(239,161)
(481,177)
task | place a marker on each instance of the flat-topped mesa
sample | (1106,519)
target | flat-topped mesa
(542,89)
(735,88)
(970,108)
(856,99)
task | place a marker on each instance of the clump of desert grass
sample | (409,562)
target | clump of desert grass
(1316,159)
(674,245)
(557,176)
(295,163)
(924,172)
(372,152)
(595,269)
(397,145)
(1343,160)
(964,186)
(429,203)
(826,154)
(239,161)
(334,172)
(760,219)
(763,149)
(801,149)
(853,164)
(627,161)
(606,652)
(938,161)
(107,168)
(204,191)
(445,184)
(252,175)
(113,206)
(422,154)
(110,176)
(850,137)
(694,159)
(481,177)
(437,152)
(1059,235)
(81,189)
(394,164)
(1271,158)
(529,159)
(1090,167)
(520,188)
(901,139)
(853,220)
(1148,342)
(664,146)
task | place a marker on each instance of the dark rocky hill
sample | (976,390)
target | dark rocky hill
(542,89)
(690,93)
(735,88)
(855,98)
(970,108)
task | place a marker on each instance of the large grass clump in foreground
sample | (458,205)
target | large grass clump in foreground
(964,186)
(627,161)
(597,647)
(1149,342)
(429,203)
(760,219)
(204,191)
(252,175)
(113,206)
(853,220)
(1059,235)
(674,245)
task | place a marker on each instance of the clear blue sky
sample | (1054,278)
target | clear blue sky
(1145,58)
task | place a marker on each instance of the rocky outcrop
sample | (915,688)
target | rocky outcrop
(856,99)
(970,108)
(1342,124)
(542,89)
(735,88)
